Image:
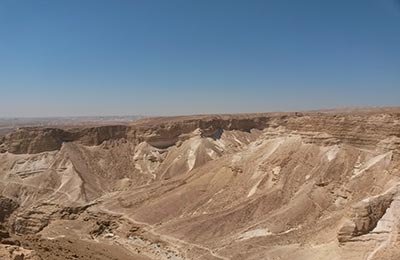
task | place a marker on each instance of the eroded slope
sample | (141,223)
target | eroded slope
(261,186)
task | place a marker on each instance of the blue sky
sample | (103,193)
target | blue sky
(150,57)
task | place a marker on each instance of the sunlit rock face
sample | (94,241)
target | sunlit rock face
(317,185)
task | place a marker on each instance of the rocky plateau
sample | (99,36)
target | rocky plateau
(302,185)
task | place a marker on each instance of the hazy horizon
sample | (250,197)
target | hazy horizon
(139,116)
(160,58)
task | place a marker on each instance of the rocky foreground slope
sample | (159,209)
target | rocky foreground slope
(315,185)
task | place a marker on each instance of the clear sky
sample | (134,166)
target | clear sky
(116,57)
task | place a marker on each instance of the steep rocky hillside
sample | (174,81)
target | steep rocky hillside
(310,185)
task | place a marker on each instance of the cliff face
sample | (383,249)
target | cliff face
(358,130)
(159,134)
(364,129)
(258,186)
(36,140)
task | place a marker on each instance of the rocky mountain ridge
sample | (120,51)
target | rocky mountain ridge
(310,185)
(358,129)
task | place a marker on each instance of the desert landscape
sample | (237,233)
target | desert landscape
(199,130)
(300,185)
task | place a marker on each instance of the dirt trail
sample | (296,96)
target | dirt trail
(172,240)
(261,186)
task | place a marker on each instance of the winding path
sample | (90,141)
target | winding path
(167,238)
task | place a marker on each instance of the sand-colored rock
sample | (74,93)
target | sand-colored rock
(310,185)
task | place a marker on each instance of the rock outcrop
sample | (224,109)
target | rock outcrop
(365,216)
(312,185)
(363,129)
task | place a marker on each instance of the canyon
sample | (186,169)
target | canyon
(298,185)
